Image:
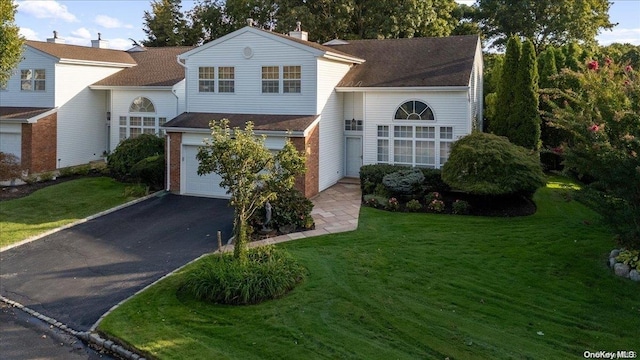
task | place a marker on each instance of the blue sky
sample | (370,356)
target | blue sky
(79,21)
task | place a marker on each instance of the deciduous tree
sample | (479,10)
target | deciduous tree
(10,41)
(249,172)
(546,22)
(166,25)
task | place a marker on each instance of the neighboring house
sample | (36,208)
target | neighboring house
(49,118)
(345,103)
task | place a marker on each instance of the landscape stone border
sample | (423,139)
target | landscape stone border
(621,269)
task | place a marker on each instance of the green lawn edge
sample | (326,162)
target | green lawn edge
(58,205)
(408,286)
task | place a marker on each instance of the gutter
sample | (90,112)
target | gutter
(186,83)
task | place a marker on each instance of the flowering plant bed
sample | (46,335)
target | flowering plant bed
(458,203)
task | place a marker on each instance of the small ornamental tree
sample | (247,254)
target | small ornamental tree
(603,119)
(10,167)
(249,172)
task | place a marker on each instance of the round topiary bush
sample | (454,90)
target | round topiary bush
(268,274)
(404,182)
(131,151)
(487,164)
(150,171)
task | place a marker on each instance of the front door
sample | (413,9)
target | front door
(354,155)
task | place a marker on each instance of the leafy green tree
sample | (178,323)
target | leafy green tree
(492,74)
(547,68)
(524,122)
(166,25)
(602,117)
(249,172)
(10,41)
(209,20)
(546,22)
(263,13)
(506,92)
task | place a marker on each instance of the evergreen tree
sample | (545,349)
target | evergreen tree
(165,25)
(10,41)
(507,89)
(547,68)
(525,120)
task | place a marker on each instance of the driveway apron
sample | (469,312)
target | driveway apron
(77,274)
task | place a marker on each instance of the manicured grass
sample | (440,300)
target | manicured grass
(416,286)
(57,205)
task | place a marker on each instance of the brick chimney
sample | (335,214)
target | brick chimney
(55,39)
(102,44)
(298,33)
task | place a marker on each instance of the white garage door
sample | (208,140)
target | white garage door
(11,143)
(206,185)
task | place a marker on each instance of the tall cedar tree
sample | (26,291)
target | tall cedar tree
(10,41)
(507,89)
(165,25)
(525,119)
(551,137)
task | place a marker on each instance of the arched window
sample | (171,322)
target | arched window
(142,104)
(414,110)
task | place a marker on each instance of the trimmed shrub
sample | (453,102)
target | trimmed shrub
(433,180)
(131,151)
(460,207)
(487,164)
(375,201)
(436,206)
(393,204)
(432,196)
(371,175)
(269,273)
(404,182)
(150,171)
(10,167)
(289,209)
(413,206)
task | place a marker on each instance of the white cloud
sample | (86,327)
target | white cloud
(120,44)
(82,33)
(29,34)
(111,23)
(47,9)
(631,36)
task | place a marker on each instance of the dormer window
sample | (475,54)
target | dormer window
(414,110)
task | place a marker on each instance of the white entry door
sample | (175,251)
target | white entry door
(354,156)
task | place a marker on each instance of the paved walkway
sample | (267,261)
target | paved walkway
(335,210)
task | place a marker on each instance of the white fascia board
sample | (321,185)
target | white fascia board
(31,120)
(135,88)
(186,130)
(400,89)
(343,58)
(257,132)
(95,63)
(313,124)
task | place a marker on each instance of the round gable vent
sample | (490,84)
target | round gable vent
(247,52)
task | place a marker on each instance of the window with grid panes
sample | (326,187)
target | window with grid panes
(206,79)
(270,79)
(292,79)
(383,144)
(226,79)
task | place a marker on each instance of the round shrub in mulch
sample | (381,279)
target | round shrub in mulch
(269,273)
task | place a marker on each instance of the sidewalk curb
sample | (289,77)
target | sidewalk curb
(81,221)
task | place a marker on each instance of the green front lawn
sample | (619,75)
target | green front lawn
(416,286)
(57,205)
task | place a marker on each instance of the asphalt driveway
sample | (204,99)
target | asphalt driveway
(76,275)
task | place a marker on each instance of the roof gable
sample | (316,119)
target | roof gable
(82,53)
(412,62)
(308,46)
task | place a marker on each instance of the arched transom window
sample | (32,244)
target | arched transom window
(414,110)
(142,104)
(141,119)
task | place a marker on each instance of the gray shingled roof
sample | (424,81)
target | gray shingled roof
(435,61)
(75,52)
(156,67)
(260,121)
(21,113)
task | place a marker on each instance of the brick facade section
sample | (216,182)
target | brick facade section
(39,144)
(308,183)
(174,143)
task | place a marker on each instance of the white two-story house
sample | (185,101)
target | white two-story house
(344,103)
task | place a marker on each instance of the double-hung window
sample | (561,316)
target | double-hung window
(33,80)
(292,82)
(206,79)
(226,79)
(289,78)
(270,79)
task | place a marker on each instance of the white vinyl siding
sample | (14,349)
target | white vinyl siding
(248,76)
(412,142)
(13,95)
(330,105)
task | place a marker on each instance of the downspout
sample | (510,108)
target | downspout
(186,83)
